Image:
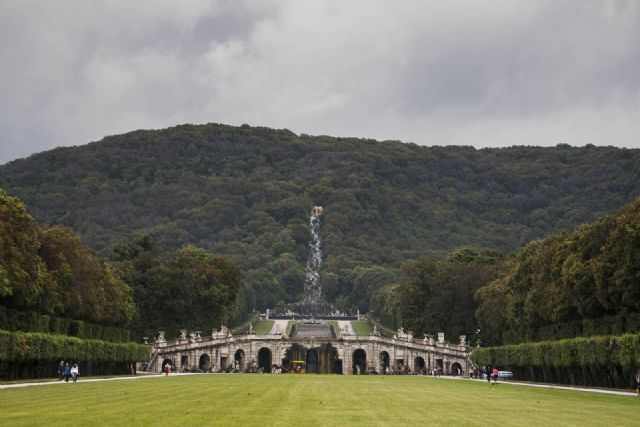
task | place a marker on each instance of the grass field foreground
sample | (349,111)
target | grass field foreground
(308,400)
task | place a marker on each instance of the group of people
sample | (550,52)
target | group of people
(66,371)
(491,373)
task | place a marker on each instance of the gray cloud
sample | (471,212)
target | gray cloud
(482,73)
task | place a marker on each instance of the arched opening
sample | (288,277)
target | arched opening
(238,360)
(384,362)
(419,367)
(456,369)
(311,361)
(325,358)
(337,366)
(184,363)
(168,362)
(359,364)
(204,364)
(264,360)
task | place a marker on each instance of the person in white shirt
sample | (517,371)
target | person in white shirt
(75,372)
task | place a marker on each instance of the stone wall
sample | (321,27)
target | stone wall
(222,349)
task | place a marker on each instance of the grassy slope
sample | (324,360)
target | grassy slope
(262,327)
(290,325)
(308,400)
(361,327)
(336,328)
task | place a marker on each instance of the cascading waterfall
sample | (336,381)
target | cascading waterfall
(312,286)
(312,305)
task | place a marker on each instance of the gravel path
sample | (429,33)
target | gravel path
(556,386)
(87,380)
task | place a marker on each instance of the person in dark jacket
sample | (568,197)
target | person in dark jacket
(67,372)
(61,370)
(487,373)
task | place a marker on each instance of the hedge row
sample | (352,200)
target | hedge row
(28,321)
(621,323)
(34,346)
(603,361)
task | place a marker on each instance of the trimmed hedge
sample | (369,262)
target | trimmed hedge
(31,355)
(621,323)
(29,321)
(608,361)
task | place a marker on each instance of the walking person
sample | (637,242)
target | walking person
(67,372)
(494,374)
(638,382)
(487,373)
(61,370)
(75,372)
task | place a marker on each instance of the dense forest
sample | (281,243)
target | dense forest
(49,271)
(188,288)
(51,282)
(581,283)
(244,193)
(439,295)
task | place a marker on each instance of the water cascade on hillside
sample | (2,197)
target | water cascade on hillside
(312,306)
(312,285)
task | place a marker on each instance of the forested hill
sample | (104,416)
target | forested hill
(245,192)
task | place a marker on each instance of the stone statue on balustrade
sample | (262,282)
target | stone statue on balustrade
(161,340)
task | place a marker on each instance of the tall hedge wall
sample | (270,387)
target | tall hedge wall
(608,361)
(32,355)
(29,321)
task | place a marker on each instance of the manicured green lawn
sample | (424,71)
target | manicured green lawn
(262,327)
(296,400)
(361,327)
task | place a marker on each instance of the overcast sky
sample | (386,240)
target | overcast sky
(482,73)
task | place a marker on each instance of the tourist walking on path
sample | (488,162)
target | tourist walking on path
(487,373)
(638,382)
(74,372)
(67,372)
(494,374)
(167,368)
(61,370)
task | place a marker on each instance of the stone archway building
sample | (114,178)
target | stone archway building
(222,349)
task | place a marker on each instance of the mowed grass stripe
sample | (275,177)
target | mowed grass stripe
(245,399)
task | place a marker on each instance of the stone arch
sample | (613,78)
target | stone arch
(204,363)
(456,369)
(166,362)
(385,362)
(312,362)
(264,359)
(359,361)
(239,358)
(419,366)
